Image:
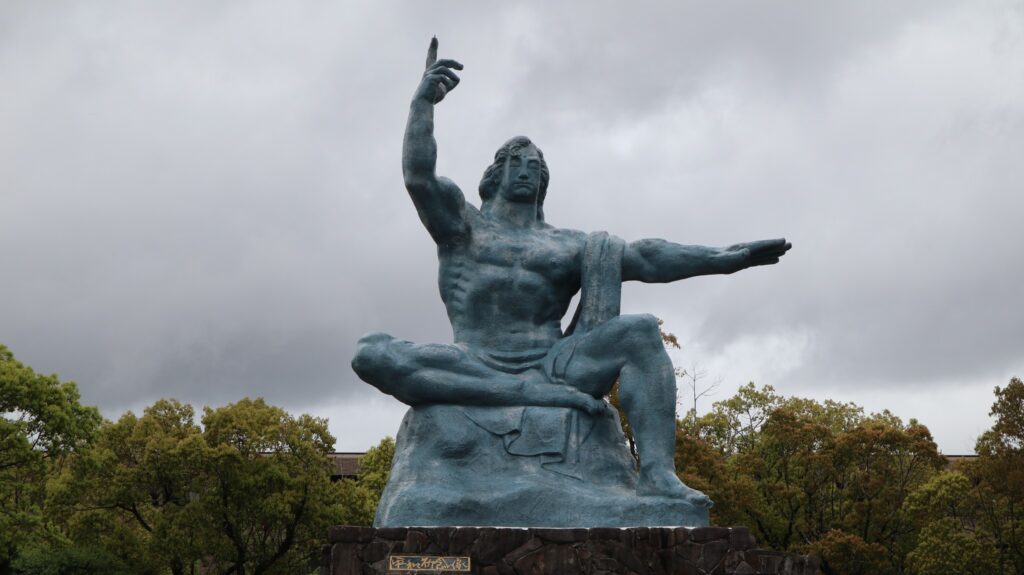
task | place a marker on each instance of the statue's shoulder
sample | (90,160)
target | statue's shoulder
(472,216)
(567,237)
(565,233)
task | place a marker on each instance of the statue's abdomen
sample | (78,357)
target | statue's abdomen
(500,306)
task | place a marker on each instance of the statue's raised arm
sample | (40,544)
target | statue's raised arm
(660,261)
(438,201)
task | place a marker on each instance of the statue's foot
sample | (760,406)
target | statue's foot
(664,483)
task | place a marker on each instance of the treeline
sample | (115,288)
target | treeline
(246,488)
(868,493)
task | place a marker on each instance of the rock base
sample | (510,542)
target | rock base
(519,467)
(596,551)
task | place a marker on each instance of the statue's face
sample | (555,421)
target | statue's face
(521,180)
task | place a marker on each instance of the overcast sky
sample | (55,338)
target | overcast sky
(203,200)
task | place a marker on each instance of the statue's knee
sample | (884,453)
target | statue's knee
(372,360)
(641,327)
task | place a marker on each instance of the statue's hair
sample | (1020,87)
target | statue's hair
(492,175)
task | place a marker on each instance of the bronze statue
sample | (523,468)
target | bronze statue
(506,278)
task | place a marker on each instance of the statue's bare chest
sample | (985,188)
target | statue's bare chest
(549,253)
(534,264)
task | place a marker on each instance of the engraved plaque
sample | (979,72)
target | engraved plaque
(427,563)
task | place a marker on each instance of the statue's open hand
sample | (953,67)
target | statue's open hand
(438,78)
(589,404)
(760,253)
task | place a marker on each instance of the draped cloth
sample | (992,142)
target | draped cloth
(556,434)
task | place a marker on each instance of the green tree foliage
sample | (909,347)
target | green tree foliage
(375,467)
(71,559)
(849,554)
(249,492)
(268,497)
(998,474)
(41,422)
(808,475)
(952,538)
(132,494)
(360,497)
(867,493)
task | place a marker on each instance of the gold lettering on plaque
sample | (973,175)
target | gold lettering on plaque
(414,563)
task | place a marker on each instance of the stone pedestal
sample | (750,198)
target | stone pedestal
(519,467)
(596,551)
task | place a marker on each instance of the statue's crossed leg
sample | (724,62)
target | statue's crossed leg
(577,372)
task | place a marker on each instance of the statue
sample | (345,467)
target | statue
(508,425)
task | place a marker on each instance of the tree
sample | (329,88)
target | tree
(360,497)
(998,474)
(41,422)
(703,467)
(948,511)
(133,493)
(809,475)
(249,492)
(69,560)
(268,493)
(733,424)
(692,377)
(847,554)
(878,464)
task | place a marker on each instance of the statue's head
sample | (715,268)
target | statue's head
(510,174)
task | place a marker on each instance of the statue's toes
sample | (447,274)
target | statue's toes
(698,499)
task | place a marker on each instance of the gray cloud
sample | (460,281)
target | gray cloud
(206,202)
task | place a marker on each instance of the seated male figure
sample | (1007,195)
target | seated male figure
(507,277)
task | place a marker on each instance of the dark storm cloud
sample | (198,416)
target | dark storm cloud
(205,201)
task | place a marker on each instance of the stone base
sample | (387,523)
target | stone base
(519,467)
(597,551)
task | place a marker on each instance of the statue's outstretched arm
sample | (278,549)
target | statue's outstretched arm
(660,261)
(438,201)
